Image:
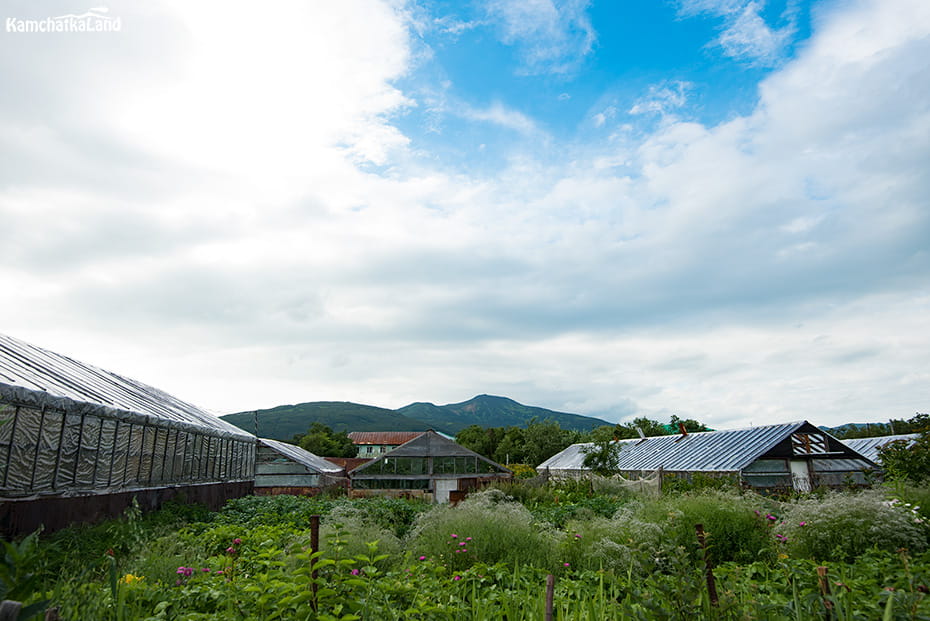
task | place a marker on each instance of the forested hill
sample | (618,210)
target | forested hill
(491,411)
(285,421)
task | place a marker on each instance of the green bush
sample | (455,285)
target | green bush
(735,524)
(843,526)
(487,527)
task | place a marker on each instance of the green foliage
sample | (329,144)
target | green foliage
(532,445)
(907,463)
(700,481)
(639,561)
(523,471)
(488,527)
(482,440)
(19,579)
(841,527)
(323,441)
(735,524)
(650,428)
(602,457)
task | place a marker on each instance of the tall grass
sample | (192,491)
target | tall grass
(844,526)
(487,527)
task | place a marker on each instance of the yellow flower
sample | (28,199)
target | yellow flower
(782,556)
(130,578)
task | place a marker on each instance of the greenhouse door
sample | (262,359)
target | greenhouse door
(443,487)
(800,475)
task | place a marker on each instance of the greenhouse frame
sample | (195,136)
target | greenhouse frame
(430,467)
(78,443)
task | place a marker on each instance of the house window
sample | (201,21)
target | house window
(809,443)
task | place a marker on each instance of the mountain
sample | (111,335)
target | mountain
(285,421)
(491,411)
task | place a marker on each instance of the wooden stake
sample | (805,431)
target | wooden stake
(550,589)
(314,547)
(708,567)
(824,583)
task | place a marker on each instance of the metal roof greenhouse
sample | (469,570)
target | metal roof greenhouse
(768,455)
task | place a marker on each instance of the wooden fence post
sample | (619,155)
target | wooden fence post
(824,584)
(550,589)
(314,548)
(708,567)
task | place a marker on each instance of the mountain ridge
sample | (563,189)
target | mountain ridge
(283,422)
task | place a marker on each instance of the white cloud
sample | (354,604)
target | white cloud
(663,98)
(746,35)
(499,114)
(554,36)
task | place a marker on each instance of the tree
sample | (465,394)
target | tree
(482,440)
(602,457)
(323,441)
(544,439)
(901,461)
(689,424)
(648,426)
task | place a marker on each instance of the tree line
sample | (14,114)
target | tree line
(540,440)
(530,445)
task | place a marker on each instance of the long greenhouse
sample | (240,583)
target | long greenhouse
(79,443)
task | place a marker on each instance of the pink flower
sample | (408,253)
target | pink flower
(577,536)
(205,570)
(462,543)
(565,564)
(457,578)
(467,538)
(219,572)
(803,524)
(230,550)
(454,536)
(355,572)
(422,558)
(237,541)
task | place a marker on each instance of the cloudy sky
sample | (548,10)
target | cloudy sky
(713,208)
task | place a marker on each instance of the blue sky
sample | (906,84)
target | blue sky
(710,208)
(577,71)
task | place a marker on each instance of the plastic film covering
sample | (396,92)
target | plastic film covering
(70,429)
(45,452)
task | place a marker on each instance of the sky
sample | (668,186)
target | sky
(718,209)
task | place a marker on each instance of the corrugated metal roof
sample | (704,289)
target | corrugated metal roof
(708,451)
(301,456)
(394,438)
(33,375)
(868,447)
